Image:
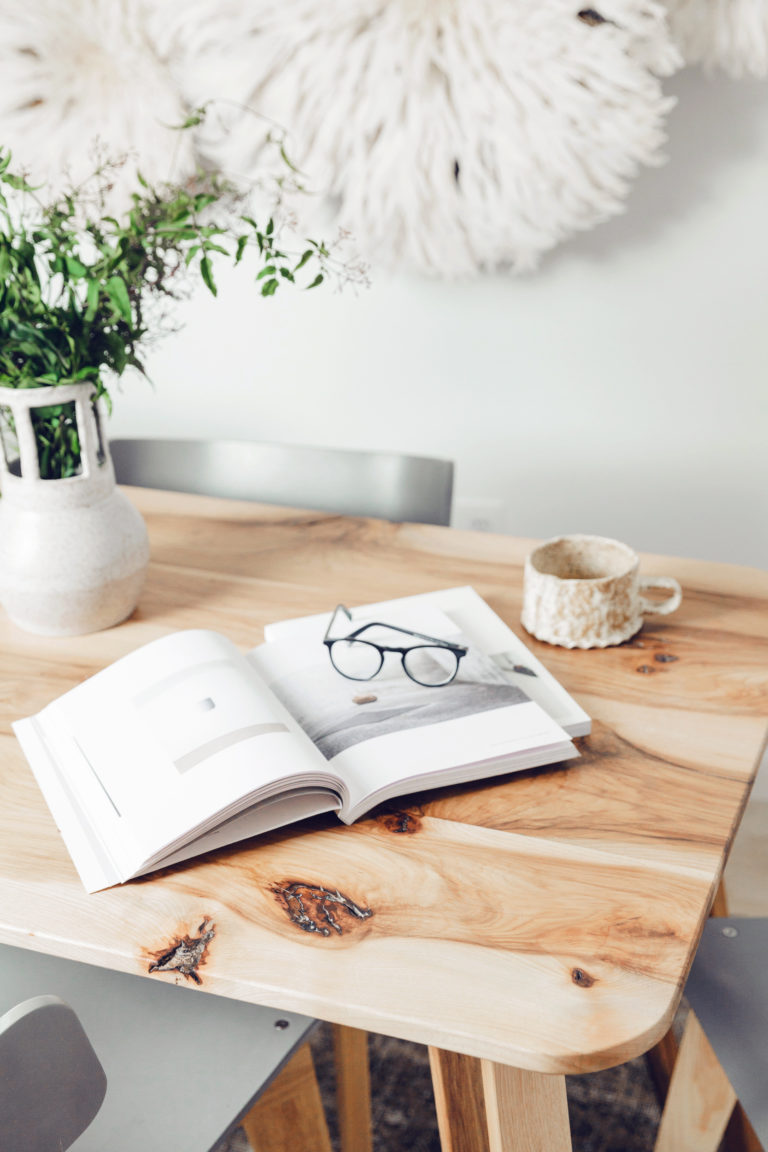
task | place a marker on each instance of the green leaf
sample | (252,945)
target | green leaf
(115,354)
(178,231)
(92,300)
(269,270)
(196,117)
(304,258)
(203,200)
(75,268)
(269,287)
(206,271)
(317,280)
(286,160)
(242,244)
(17,182)
(118,295)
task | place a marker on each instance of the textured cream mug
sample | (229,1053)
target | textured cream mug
(586,592)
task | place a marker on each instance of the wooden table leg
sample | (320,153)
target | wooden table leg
(289,1114)
(720,902)
(700,1100)
(353,1088)
(488,1107)
(661,1058)
(661,1061)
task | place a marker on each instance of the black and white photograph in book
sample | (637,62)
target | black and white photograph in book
(337,712)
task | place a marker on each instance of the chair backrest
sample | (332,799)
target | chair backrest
(728,991)
(380,484)
(51,1082)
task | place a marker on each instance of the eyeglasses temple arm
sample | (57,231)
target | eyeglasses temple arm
(334,614)
(406,632)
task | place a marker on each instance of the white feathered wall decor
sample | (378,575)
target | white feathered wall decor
(450,136)
(727,34)
(79,79)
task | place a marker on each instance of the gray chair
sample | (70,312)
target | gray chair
(182,1068)
(723,1056)
(346,482)
(51,1082)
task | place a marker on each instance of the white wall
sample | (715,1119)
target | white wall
(621,389)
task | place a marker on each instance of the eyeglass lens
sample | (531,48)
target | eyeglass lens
(431,666)
(356,659)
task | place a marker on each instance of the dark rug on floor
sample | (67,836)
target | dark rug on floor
(612,1111)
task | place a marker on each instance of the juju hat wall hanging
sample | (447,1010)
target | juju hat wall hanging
(451,136)
(79,78)
(727,34)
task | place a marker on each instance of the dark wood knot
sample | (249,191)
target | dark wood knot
(316,909)
(582,978)
(401,823)
(591,16)
(187,953)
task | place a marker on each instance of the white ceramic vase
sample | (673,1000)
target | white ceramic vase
(73,552)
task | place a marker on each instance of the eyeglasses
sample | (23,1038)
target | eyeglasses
(432,665)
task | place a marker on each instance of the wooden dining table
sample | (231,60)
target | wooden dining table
(524,928)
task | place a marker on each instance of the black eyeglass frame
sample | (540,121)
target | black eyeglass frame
(459,650)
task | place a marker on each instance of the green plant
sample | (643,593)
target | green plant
(83,292)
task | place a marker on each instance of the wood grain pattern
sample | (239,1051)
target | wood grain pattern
(457,1082)
(545,920)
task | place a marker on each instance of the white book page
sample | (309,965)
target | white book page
(172,738)
(477,620)
(389,734)
(96,865)
(276,812)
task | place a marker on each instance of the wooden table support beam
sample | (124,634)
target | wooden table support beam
(353,1088)
(487,1107)
(290,1112)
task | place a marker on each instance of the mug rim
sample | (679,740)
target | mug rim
(633,560)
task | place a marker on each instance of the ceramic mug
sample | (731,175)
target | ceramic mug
(586,592)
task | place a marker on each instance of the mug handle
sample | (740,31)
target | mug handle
(666,606)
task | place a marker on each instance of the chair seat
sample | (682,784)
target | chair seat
(182,1066)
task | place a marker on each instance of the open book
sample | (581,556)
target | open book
(188,744)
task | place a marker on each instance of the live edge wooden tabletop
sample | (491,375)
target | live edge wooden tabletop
(545,920)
